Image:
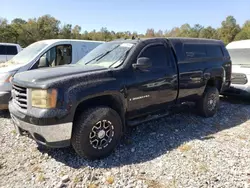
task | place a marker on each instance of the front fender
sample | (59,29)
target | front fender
(85,91)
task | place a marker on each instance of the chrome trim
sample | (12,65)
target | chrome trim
(17,93)
(29,105)
(51,133)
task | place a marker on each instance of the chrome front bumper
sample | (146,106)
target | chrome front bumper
(55,136)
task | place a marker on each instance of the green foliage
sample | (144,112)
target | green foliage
(245,32)
(229,29)
(28,31)
(209,33)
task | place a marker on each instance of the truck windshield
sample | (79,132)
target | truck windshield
(28,53)
(240,56)
(110,54)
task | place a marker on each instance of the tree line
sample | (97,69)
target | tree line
(28,31)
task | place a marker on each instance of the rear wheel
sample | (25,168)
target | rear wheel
(42,147)
(209,103)
(96,132)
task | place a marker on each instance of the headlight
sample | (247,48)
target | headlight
(6,77)
(43,98)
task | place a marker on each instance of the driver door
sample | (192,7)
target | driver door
(154,89)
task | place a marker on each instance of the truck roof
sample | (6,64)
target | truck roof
(239,44)
(174,40)
(197,40)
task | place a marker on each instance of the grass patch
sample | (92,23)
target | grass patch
(62,173)
(203,167)
(242,137)
(40,178)
(76,179)
(154,184)
(208,137)
(92,185)
(14,132)
(172,184)
(37,169)
(184,147)
(110,180)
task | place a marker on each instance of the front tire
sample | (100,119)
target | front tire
(96,133)
(209,103)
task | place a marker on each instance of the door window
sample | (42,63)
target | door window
(11,50)
(157,54)
(2,50)
(56,56)
(63,55)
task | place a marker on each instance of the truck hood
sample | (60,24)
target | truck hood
(9,68)
(241,69)
(44,75)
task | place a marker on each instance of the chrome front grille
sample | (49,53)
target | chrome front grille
(238,78)
(19,96)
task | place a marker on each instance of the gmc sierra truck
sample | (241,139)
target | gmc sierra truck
(118,84)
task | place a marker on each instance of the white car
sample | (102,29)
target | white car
(41,54)
(240,80)
(8,50)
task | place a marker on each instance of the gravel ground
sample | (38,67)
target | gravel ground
(183,150)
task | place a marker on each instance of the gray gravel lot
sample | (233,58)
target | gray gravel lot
(183,150)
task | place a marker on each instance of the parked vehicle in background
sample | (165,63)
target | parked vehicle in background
(240,55)
(8,50)
(118,84)
(41,54)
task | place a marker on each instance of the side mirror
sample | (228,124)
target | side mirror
(143,63)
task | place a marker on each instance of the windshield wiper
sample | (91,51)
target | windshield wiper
(97,58)
(93,59)
(121,58)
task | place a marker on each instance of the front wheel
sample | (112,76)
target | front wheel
(96,132)
(209,103)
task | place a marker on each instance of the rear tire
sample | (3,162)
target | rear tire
(96,132)
(209,103)
(42,147)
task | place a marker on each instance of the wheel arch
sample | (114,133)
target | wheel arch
(114,101)
(215,77)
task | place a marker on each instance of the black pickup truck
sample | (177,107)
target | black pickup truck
(118,84)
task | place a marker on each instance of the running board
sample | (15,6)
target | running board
(164,113)
(146,119)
